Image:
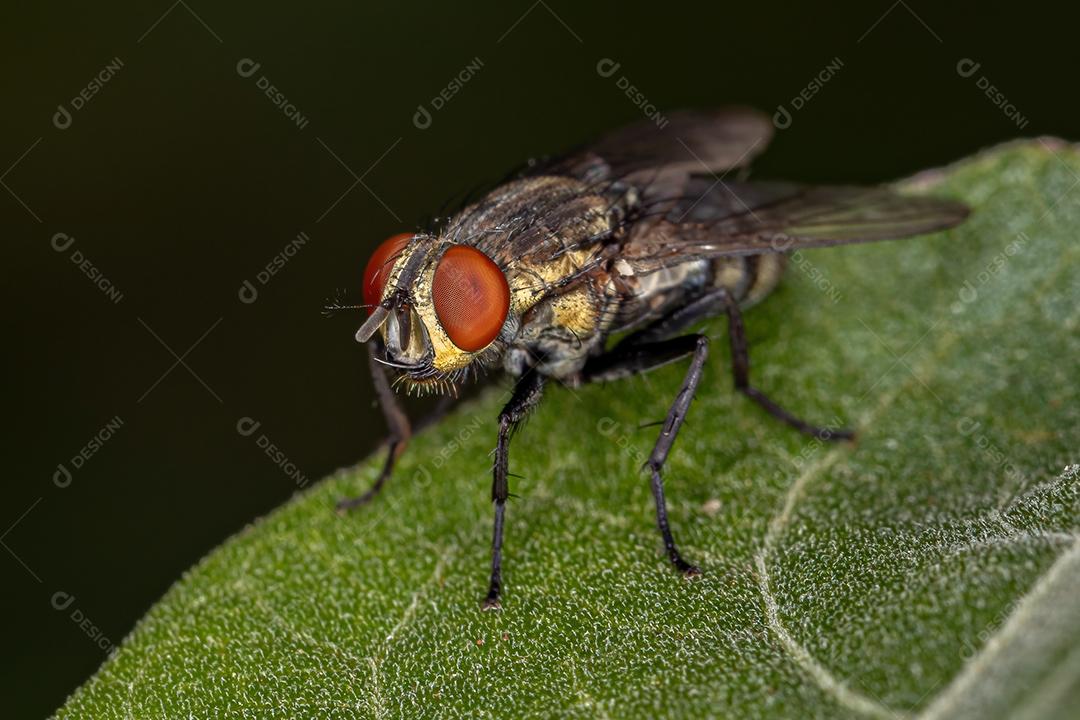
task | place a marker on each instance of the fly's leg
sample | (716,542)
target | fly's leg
(740,358)
(527,394)
(636,358)
(396,421)
(706,306)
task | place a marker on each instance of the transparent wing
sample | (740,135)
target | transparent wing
(717,218)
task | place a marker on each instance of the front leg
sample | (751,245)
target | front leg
(527,394)
(396,421)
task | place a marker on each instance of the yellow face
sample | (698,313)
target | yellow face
(444,307)
(441,307)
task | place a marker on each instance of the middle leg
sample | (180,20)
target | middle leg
(527,394)
(633,359)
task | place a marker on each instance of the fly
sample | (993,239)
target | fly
(638,235)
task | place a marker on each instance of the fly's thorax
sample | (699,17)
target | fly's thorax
(560,322)
(572,314)
(532,280)
(561,332)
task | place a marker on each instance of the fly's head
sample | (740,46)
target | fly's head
(439,308)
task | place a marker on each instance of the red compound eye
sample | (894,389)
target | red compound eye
(471,297)
(379,267)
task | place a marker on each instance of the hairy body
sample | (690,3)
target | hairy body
(639,234)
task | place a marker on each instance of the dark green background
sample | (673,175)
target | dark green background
(179,180)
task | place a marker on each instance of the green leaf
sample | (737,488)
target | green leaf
(929,569)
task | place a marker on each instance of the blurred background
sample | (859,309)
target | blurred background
(185,184)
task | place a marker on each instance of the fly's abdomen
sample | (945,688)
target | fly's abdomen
(749,278)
